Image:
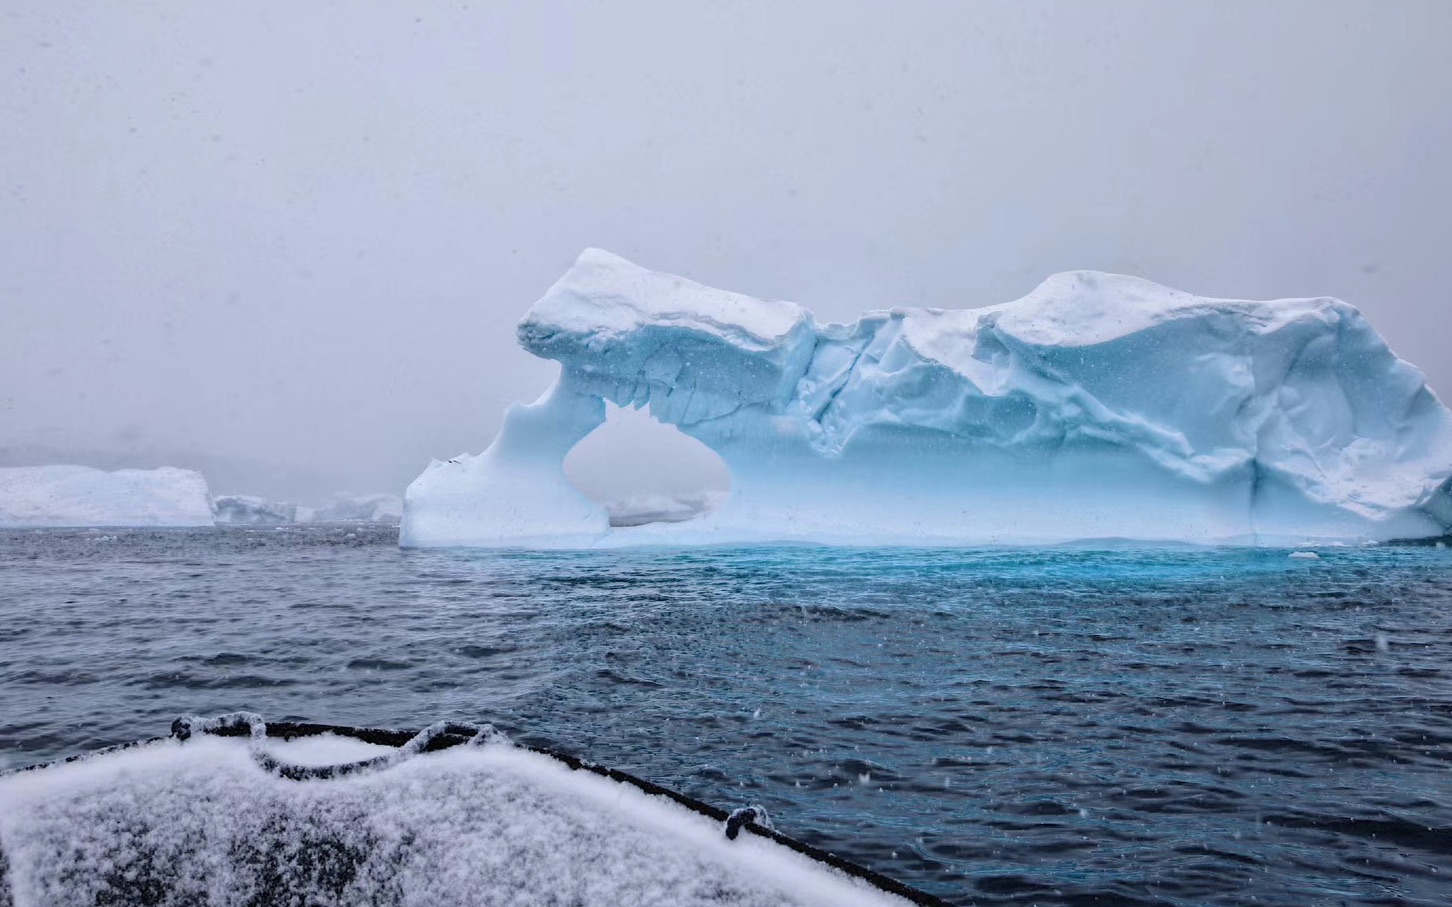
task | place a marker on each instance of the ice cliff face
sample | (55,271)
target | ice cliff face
(1097,406)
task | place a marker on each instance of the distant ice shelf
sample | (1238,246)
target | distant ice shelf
(79,496)
(83,497)
(1098,406)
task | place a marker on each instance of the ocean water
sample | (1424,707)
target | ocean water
(1053,726)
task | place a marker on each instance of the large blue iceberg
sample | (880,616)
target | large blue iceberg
(1098,406)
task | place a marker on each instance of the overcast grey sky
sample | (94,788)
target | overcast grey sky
(289,241)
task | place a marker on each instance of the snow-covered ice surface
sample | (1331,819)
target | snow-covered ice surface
(1098,406)
(80,496)
(200,823)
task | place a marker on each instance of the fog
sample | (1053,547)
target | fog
(288,242)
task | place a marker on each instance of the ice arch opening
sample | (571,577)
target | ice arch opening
(643,471)
(517,494)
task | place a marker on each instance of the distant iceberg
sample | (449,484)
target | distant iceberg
(252,510)
(642,510)
(79,496)
(1098,406)
(355,508)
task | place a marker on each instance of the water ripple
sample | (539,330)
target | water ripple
(1058,726)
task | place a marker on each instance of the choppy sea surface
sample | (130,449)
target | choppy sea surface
(1071,725)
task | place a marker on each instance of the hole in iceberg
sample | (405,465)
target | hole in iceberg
(644,471)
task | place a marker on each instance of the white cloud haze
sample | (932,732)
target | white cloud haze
(288,242)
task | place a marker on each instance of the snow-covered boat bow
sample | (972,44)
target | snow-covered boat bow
(235,811)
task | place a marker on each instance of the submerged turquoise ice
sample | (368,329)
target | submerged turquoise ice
(1173,725)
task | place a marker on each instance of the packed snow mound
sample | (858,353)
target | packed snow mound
(1098,406)
(200,823)
(79,496)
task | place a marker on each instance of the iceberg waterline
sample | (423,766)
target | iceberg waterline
(1097,406)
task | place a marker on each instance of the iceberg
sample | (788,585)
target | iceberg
(251,510)
(381,507)
(80,496)
(1097,406)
